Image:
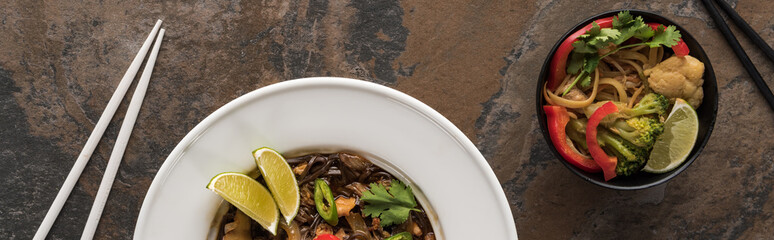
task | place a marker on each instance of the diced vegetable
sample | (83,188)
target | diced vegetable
(630,158)
(400,236)
(323,201)
(607,163)
(326,237)
(557,119)
(344,205)
(680,49)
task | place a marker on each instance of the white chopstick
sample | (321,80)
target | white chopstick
(121,142)
(94,138)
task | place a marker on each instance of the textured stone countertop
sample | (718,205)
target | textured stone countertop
(476,62)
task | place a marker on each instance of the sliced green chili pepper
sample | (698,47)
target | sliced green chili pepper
(400,236)
(323,194)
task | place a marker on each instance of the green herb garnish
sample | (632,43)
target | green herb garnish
(400,236)
(668,36)
(629,26)
(585,54)
(391,206)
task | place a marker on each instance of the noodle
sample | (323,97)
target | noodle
(348,176)
(635,95)
(621,90)
(638,48)
(603,68)
(564,84)
(653,53)
(605,96)
(609,74)
(559,101)
(626,54)
(635,65)
(545,95)
(606,93)
(660,54)
(615,64)
(572,115)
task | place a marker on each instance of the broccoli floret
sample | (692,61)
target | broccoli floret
(641,131)
(649,104)
(590,109)
(631,158)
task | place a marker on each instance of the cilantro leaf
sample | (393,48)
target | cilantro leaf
(594,30)
(631,31)
(599,37)
(644,33)
(591,63)
(630,26)
(586,55)
(586,81)
(624,19)
(575,63)
(606,35)
(391,206)
(668,37)
(582,47)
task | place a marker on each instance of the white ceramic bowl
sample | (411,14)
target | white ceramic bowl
(397,132)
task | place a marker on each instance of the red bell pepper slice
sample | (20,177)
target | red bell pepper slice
(607,163)
(326,237)
(681,49)
(558,65)
(557,119)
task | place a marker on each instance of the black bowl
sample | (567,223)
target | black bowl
(706,112)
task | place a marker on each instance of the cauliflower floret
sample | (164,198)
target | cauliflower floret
(678,77)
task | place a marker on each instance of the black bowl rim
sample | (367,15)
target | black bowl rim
(542,121)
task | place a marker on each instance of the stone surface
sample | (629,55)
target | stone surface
(474,61)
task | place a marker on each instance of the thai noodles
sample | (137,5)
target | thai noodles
(610,90)
(348,176)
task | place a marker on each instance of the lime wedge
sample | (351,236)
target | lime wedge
(248,196)
(674,145)
(280,179)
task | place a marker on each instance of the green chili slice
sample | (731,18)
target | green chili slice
(400,236)
(323,195)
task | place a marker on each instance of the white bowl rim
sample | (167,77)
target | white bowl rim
(174,157)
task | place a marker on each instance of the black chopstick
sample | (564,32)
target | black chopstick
(742,24)
(748,65)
